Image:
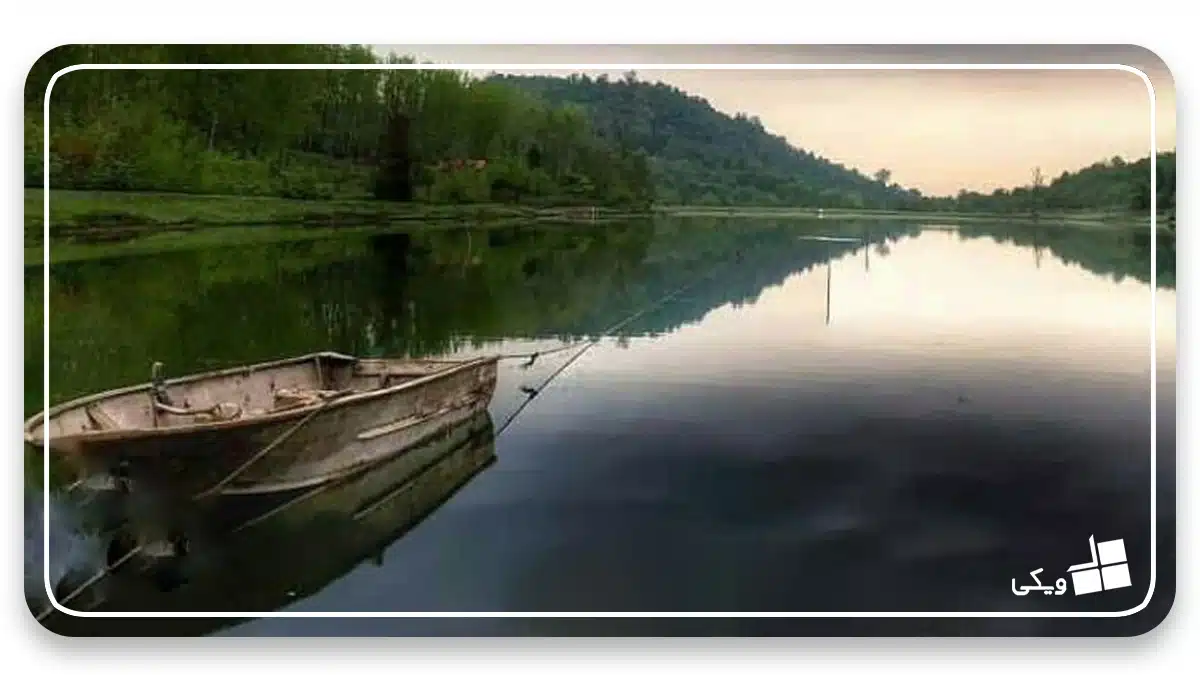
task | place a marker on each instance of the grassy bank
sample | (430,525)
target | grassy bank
(95,224)
(165,242)
(73,209)
(80,214)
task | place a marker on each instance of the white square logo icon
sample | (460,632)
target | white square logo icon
(1107,570)
(1115,576)
(1087,581)
(1111,552)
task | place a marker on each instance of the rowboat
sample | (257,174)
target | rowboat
(276,426)
(261,552)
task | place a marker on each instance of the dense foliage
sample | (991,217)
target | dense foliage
(441,136)
(431,135)
(1114,185)
(701,156)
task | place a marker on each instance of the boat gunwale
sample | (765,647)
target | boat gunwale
(266,418)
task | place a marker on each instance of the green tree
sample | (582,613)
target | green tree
(395,134)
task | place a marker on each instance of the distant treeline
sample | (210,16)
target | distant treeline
(1115,185)
(429,135)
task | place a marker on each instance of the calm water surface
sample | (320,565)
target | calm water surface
(828,417)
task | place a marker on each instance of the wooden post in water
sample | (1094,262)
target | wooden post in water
(828,288)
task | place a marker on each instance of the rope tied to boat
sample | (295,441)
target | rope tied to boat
(325,402)
(533,356)
(532,392)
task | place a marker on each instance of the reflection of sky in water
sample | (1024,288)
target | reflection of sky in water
(936,304)
(944,299)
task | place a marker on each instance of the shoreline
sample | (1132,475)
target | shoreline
(99,224)
(1063,218)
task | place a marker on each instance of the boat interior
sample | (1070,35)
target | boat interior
(233,393)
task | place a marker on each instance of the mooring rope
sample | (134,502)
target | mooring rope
(229,478)
(533,356)
(532,392)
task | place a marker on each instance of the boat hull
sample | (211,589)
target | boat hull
(281,452)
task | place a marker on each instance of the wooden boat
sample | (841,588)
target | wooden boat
(276,426)
(261,552)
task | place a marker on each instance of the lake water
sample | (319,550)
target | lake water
(824,416)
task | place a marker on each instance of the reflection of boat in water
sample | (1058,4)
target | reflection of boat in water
(260,552)
(274,426)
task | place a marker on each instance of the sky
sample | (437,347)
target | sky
(936,131)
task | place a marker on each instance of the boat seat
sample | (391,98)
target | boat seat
(221,412)
(292,398)
(101,421)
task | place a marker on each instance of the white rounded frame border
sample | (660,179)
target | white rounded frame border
(607,66)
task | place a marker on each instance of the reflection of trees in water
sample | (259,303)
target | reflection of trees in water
(417,293)
(769,255)
(1116,253)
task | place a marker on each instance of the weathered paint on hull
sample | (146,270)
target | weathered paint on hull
(310,448)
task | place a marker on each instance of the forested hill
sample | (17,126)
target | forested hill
(443,136)
(400,135)
(702,156)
